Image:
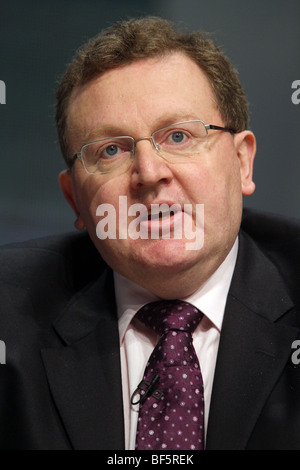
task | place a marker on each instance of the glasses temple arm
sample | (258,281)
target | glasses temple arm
(74,158)
(218,128)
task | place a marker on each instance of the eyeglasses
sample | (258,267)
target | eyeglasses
(175,143)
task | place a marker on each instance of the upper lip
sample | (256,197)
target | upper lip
(160,207)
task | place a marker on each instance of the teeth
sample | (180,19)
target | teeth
(154,210)
(158,214)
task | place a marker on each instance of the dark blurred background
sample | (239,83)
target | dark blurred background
(37,39)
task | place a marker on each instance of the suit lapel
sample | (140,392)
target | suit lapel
(254,348)
(85,379)
(84,376)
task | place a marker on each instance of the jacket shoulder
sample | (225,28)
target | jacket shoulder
(69,260)
(278,237)
(271,229)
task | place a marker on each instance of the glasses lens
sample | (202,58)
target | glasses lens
(103,156)
(184,139)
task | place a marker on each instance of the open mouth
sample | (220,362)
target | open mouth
(162,220)
(166,220)
(162,212)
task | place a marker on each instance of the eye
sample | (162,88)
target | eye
(113,149)
(110,151)
(177,137)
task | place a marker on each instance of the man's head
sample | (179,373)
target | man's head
(128,41)
(135,78)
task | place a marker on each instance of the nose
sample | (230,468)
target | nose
(149,168)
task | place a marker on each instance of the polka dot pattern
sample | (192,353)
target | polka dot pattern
(176,420)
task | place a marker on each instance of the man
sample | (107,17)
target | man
(151,118)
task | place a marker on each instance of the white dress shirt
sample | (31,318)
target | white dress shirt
(137,342)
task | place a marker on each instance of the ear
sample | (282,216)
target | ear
(245,144)
(66,184)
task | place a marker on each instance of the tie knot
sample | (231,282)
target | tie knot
(170,314)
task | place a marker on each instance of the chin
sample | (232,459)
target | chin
(166,256)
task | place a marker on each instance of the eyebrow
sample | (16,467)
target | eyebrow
(102,132)
(112,130)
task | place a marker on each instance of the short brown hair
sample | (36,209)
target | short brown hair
(127,41)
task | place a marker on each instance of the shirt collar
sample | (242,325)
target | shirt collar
(210,298)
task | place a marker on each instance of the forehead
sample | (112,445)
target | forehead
(148,92)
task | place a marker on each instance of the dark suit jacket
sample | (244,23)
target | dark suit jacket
(61,385)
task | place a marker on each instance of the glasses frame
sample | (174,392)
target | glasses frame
(134,141)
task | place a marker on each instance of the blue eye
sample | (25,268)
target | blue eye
(114,149)
(177,137)
(110,151)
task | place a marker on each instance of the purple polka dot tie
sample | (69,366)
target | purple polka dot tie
(171,414)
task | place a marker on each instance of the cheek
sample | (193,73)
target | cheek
(216,183)
(99,204)
(92,191)
(227,200)
(86,196)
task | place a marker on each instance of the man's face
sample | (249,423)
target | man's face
(136,100)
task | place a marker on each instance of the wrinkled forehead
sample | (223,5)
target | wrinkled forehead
(153,92)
